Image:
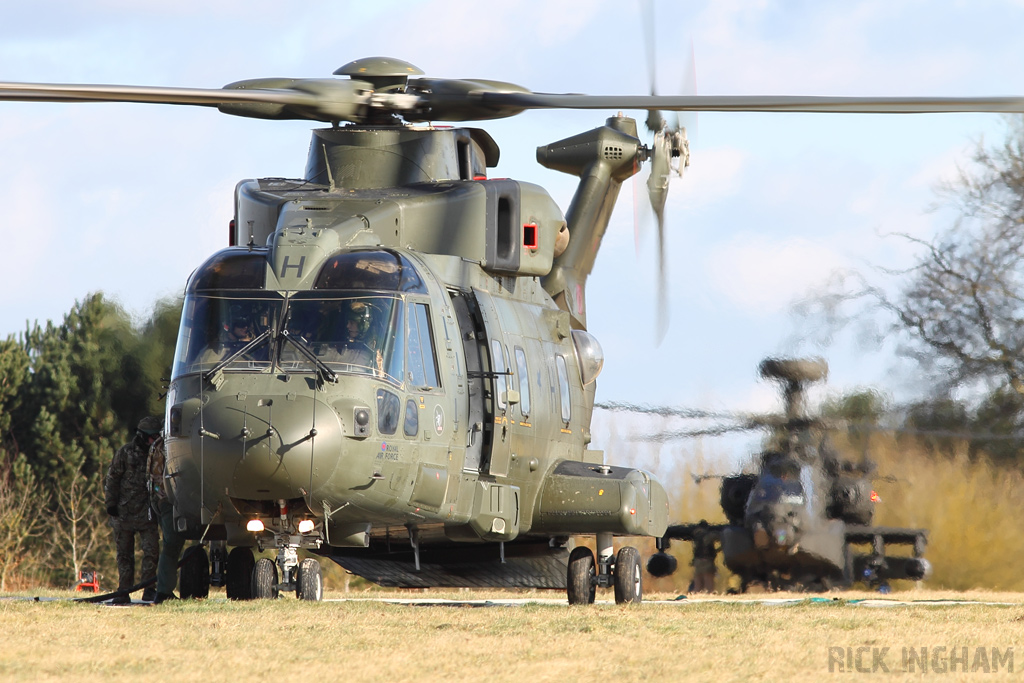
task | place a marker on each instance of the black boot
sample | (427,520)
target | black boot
(149,595)
(164,597)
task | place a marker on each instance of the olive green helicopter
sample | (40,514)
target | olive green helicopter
(389,364)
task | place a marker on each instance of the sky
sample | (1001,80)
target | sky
(130,198)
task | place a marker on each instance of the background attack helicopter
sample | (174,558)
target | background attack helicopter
(797,521)
(313,104)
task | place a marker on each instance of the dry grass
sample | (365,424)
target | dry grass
(971,509)
(977,540)
(373,641)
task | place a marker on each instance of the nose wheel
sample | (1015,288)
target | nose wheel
(264,580)
(309,581)
(621,572)
(270,577)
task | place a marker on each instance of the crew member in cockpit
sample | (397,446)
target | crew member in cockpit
(237,335)
(241,330)
(354,348)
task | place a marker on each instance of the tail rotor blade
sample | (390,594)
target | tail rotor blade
(657,192)
(662,315)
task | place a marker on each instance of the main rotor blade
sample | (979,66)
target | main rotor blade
(333,100)
(761,103)
(202,97)
(665,411)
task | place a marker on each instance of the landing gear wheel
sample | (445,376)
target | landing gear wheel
(309,582)
(240,566)
(264,580)
(628,577)
(195,574)
(580,584)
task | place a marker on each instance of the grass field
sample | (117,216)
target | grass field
(371,640)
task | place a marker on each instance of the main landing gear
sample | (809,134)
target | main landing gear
(621,572)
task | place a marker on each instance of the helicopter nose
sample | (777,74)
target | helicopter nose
(268,448)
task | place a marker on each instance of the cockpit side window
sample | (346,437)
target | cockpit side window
(422,362)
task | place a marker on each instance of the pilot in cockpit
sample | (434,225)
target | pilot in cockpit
(354,348)
(241,330)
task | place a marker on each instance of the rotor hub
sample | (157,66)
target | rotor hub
(384,73)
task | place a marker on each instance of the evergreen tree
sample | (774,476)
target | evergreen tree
(70,395)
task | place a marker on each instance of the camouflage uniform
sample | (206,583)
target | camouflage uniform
(127,500)
(705,551)
(173,542)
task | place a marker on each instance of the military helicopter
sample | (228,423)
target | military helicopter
(388,365)
(794,524)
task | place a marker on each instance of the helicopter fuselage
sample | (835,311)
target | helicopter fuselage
(377,360)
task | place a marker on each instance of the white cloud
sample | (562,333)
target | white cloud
(762,276)
(714,175)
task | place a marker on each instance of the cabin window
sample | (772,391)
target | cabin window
(498,365)
(388,409)
(563,388)
(422,362)
(524,382)
(412,418)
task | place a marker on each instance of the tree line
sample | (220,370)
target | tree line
(70,395)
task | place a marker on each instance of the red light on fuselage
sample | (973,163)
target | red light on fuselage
(530,235)
(875,498)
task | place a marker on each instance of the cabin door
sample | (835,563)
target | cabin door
(474,345)
(496,381)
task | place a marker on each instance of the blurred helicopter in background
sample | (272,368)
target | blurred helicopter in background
(796,522)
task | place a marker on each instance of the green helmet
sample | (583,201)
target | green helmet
(360,313)
(151,425)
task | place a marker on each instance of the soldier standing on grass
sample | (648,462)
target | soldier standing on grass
(170,548)
(127,500)
(705,550)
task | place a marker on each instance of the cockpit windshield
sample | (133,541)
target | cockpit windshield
(771,490)
(352,321)
(346,333)
(216,326)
